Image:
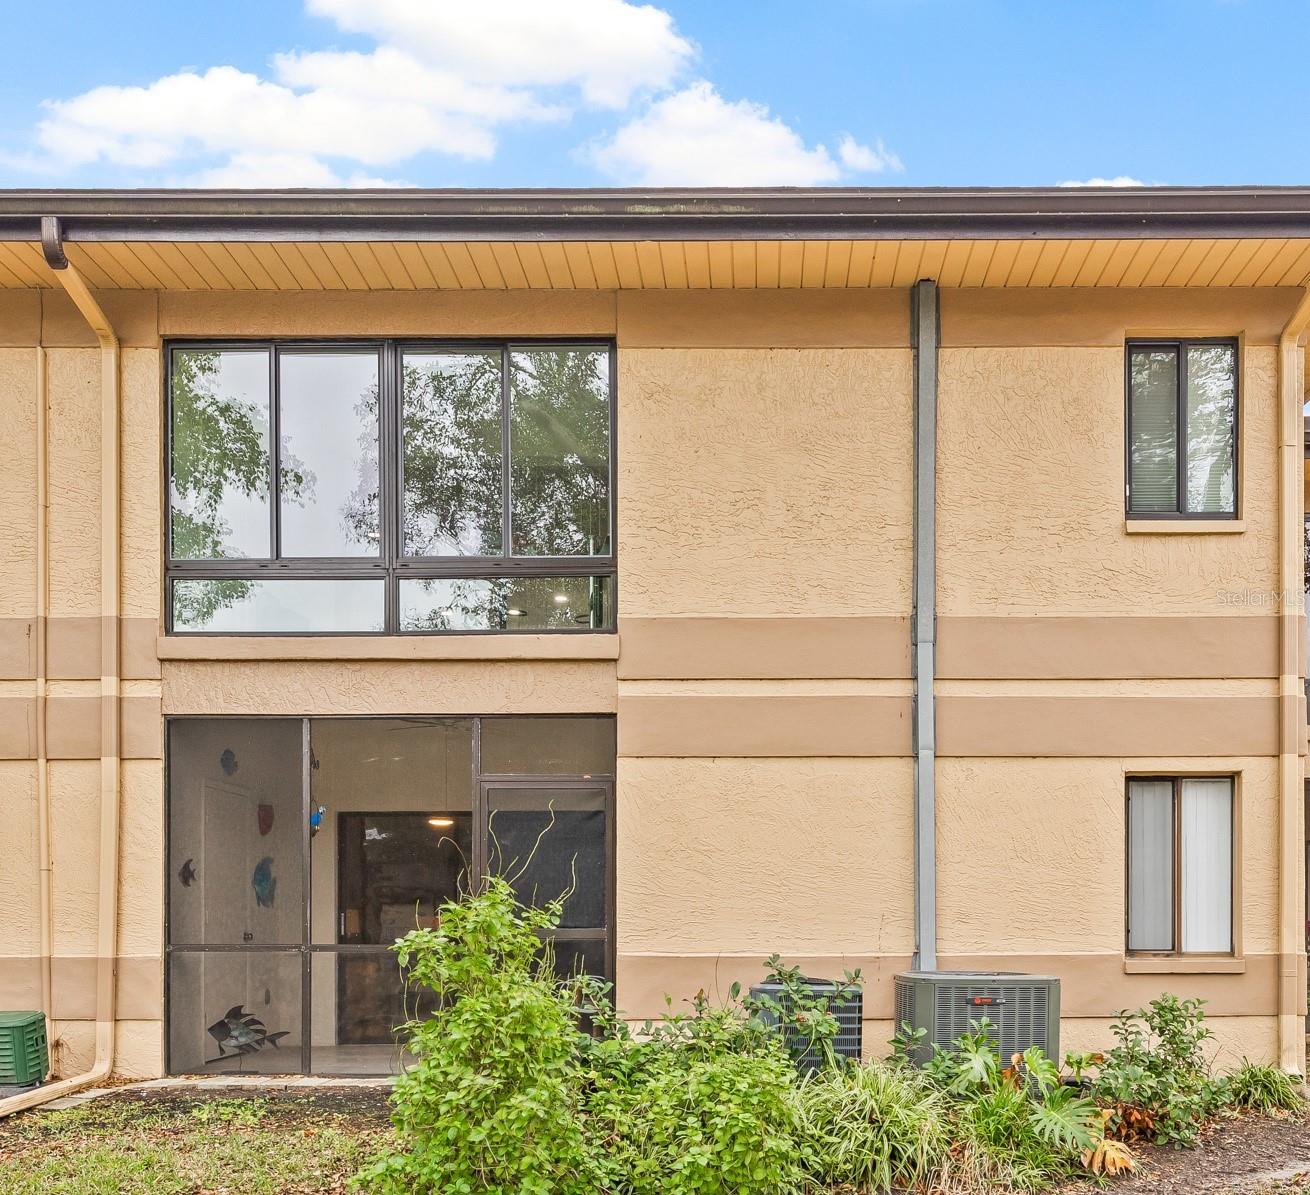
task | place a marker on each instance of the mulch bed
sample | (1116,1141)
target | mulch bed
(1246,1154)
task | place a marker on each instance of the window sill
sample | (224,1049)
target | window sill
(599,646)
(1184,526)
(1185,965)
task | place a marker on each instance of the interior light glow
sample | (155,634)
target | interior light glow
(516,613)
(441,823)
(561,598)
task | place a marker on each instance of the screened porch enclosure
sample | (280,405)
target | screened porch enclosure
(300,849)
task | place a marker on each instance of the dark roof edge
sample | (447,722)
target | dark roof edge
(885,213)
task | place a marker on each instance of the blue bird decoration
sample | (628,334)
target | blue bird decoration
(264,882)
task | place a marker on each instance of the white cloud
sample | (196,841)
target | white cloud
(442,77)
(279,170)
(694,137)
(868,160)
(607,48)
(1121,180)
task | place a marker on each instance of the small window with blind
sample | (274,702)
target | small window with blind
(1180,865)
(1182,429)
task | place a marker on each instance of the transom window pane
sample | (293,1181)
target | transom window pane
(328,459)
(1182,428)
(280,606)
(454,501)
(506,604)
(559,451)
(219,469)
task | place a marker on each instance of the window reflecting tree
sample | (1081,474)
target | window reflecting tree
(219,468)
(559,452)
(452,454)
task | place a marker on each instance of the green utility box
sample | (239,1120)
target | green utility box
(24,1054)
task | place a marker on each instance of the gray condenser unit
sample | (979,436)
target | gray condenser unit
(848,1010)
(1024,1010)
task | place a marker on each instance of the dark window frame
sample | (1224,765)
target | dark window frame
(1176,894)
(480,782)
(390,564)
(1180,346)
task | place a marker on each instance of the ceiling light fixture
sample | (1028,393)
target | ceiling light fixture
(561,598)
(441,823)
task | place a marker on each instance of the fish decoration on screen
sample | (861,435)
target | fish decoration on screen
(240,1033)
(264,882)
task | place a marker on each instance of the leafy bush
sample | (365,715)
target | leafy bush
(699,1104)
(1023,1127)
(874,1127)
(698,1124)
(1262,1088)
(1155,1080)
(494,1103)
(803,1016)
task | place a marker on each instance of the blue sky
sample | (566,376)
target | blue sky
(598,92)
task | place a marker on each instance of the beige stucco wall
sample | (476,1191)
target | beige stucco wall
(762,683)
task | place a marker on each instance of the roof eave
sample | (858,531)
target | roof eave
(660,214)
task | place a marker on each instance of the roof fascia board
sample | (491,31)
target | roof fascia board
(825,214)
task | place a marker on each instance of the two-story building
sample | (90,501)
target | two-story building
(875,577)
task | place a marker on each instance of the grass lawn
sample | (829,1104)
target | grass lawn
(161,1143)
(168,1141)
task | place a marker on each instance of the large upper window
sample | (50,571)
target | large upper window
(388,487)
(1182,428)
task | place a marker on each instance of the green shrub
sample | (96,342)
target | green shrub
(874,1127)
(1155,1080)
(1019,1125)
(1262,1088)
(494,1103)
(700,1104)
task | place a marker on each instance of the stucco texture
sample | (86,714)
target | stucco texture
(389,687)
(755,855)
(758,481)
(1031,493)
(18,480)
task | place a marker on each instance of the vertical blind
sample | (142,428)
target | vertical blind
(1191,821)
(1154,479)
(1207,854)
(1150,865)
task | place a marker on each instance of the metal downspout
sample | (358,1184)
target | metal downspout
(1291,710)
(45,856)
(924,338)
(110,674)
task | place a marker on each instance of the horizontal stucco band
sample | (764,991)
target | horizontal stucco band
(1007,647)
(773,725)
(1091,985)
(73,986)
(73,648)
(778,725)
(1132,725)
(73,726)
(723,647)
